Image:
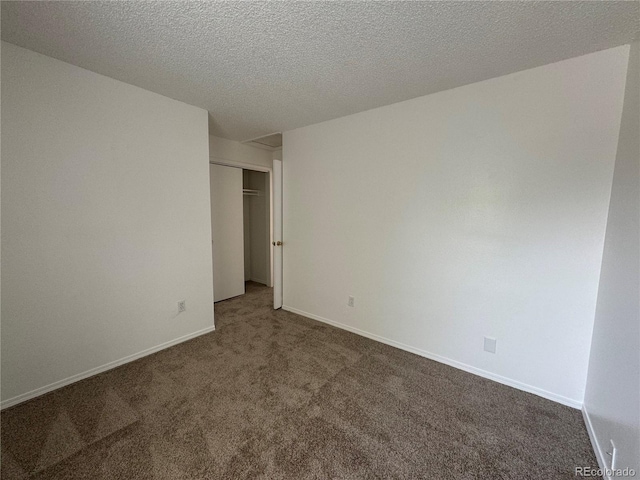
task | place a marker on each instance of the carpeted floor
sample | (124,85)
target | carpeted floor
(274,395)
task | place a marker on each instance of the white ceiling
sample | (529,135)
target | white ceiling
(264,67)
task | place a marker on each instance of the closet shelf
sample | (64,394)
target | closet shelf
(248,191)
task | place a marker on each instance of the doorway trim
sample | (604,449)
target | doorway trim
(255,168)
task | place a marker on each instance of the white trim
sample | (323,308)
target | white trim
(594,442)
(447,361)
(270,283)
(94,371)
(277,189)
(233,163)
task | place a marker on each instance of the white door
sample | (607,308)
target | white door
(227,231)
(277,234)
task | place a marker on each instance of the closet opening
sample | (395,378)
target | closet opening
(256,197)
(241,228)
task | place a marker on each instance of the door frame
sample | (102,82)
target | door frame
(278,295)
(255,168)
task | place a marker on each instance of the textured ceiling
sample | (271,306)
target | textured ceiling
(264,67)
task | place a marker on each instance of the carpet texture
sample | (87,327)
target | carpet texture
(274,395)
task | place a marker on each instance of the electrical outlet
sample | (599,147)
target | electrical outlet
(490,344)
(351,302)
(182,306)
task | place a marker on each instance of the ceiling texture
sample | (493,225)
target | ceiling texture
(265,67)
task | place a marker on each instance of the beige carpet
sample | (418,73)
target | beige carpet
(274,395)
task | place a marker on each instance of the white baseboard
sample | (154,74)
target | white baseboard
(10,402)
(594,441)
(447,361)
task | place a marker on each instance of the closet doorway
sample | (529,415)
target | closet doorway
(241,228)
(256,194)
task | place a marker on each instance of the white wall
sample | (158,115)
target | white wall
(105,222)
(223,150)
(471,212)
(612,399)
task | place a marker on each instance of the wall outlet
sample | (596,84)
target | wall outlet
(182,306)
(351,301)
(490,344)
